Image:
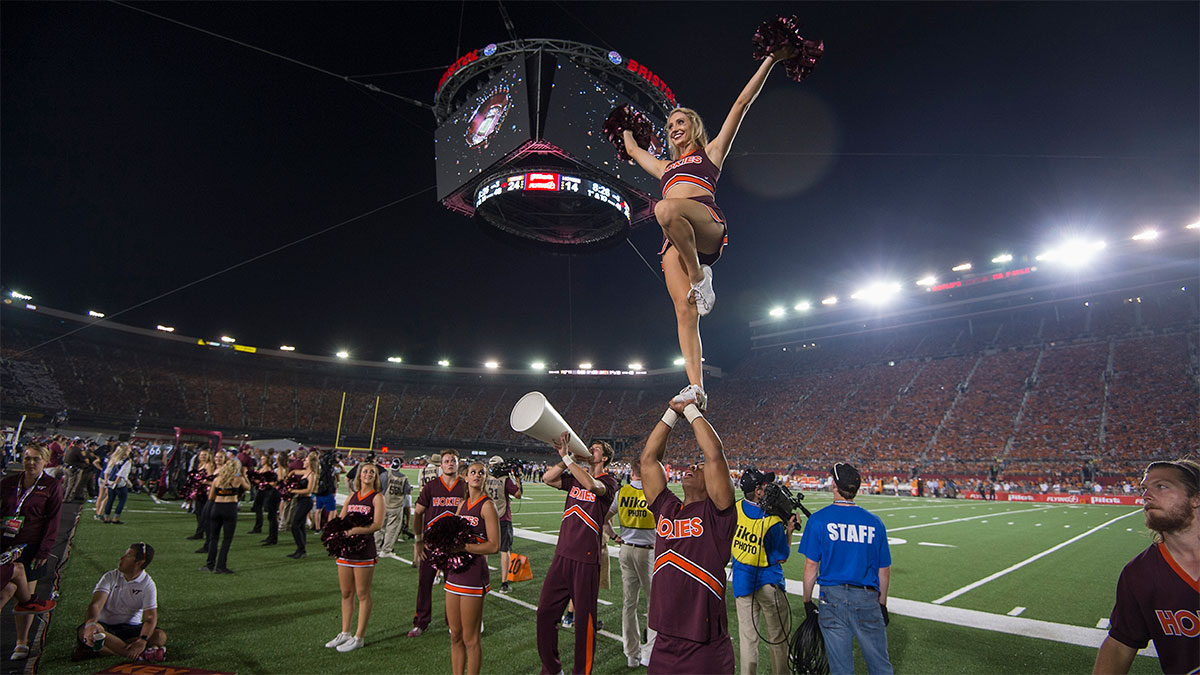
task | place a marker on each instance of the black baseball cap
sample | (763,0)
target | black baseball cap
(752,478)
(846,477)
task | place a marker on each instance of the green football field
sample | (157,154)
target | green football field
(976,588)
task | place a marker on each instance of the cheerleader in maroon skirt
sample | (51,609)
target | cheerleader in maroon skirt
(356,573)
(694,228)
(466,588)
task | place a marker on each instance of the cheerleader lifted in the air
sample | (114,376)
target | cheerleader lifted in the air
(694,228)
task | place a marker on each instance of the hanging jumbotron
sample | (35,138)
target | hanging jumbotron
(521,142)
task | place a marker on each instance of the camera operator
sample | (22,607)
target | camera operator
(501,487)
(760,545)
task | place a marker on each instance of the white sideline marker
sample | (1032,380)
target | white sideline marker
(1016,611)
(1013,568)
(1102,624)
(930,543)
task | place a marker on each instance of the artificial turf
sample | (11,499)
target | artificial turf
(275,614)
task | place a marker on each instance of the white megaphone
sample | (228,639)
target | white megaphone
(535,417)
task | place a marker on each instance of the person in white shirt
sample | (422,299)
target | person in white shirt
(123,613)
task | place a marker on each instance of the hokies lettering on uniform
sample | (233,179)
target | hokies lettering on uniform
(680,529)
(470,519)
(582,495)
(364,509)
(446,501)
(690,159)
(1181,622)
(858,534)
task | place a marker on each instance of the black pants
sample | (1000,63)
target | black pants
(300,520)
(222,521)
(260,501)
(270,504)
(198,505)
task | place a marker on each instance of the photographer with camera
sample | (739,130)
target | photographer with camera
(761,544)
(847,552)
(502,487)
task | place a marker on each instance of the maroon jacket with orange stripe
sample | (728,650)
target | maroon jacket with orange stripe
(441,500)
(583,516)
(692,547)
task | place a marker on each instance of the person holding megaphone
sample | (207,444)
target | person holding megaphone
(575,572)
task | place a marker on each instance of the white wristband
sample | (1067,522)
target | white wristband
(568,459)
(670,417)
(691,412)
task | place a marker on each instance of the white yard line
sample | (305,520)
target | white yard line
(1013,568)
(1016,611)
(959,520)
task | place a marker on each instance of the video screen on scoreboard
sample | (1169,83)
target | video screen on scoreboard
(579,105)
(487,127)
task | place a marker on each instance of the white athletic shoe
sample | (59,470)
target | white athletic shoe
(351,644)
(338,641)
(693,392)
(633,661)
(702,293)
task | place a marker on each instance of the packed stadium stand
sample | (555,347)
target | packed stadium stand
(1030,391)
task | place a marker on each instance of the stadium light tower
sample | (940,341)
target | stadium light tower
(1073,252)
(538,365)
(586,365)
(445,363)
(343,354)
(1003,258)
(777,312)
(227,340)
(877,293)
(803,306)
(636,365)
(678,361)
(395,359)
(961,267)
(927,280)
(93,313)
(831,300)
(1194,226)
(286,348)
(165,329)
(18,295)
(491,365)
(1145,235)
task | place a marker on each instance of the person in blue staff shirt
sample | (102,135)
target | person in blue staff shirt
(846,551)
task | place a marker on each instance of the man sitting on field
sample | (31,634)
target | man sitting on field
(123,615)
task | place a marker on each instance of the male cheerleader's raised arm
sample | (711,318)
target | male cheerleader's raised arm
(649,163)
(717,481)
(718,148)
(654,476)
(578,471)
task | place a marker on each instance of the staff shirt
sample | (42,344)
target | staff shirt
(850,544)
(126,599)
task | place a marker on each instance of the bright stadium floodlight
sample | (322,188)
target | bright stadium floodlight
(395,359)
(1073,252)
(586,365)
(444,363)
(927,280)
(491,365)
(1193,226)
(538,365)
(228,340)
(94,313)
(679,361)
(18,295)
(831,300)
(803,306)
(635,366)
(961,267)
(165,329)
(343,354)
(1145,235)
(286,348)
(1003,258)
(877,293)
(777,312)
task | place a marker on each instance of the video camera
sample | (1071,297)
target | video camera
(778,501)
(505,468)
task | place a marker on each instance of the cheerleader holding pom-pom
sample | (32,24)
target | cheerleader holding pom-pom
(694,228)
(459,547)
(351,537)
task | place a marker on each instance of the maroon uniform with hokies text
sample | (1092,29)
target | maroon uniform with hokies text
(474,580)
(575,574)
(364,504)
(695,168)
(1157,600)
(440,500)
(687,595)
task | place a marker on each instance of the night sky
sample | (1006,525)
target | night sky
(137,155)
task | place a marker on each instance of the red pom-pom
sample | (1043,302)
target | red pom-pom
(780,32)
(627,117)
(338,543)
(293,482)
(444,541)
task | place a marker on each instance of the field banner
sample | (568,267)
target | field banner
(1119,500)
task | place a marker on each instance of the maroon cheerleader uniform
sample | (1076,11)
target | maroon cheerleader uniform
(687,594)
(474,580)
(440,501)
(575,574)
(695,168)
(358,503)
